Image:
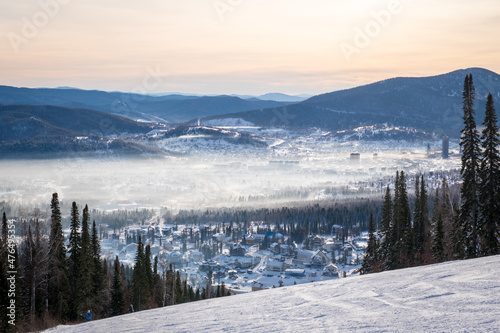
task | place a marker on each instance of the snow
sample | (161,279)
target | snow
(460,296)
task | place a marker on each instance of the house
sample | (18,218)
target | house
(317,241)
(275,248)
(331,270)
(250,240)
(209,265)
(244,263)
(237,251)
(320,259)
(304,256)
(275,266)
(295,272)
(288,263)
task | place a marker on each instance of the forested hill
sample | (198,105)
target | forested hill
(432,104)
(43,130)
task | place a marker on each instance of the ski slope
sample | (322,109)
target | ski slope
(460,296)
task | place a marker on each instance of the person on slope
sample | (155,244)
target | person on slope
(88,316)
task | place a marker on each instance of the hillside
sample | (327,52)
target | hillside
(27,130)
(171,108)
(460,296)
(432,104)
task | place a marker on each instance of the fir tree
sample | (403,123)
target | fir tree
(385,233)
(158,285)
(489,190)
(170,287)
(117,297)
(469,210)
(370,258)
(447,210)
(438,240)
(402,240)
(179,292)
(85,260)
(58,284)
(140,284)
(421,223)
(98,272)
(148,271)
(74,250)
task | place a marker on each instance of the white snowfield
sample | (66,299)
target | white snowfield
(460,296)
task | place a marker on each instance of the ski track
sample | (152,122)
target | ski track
(461,296)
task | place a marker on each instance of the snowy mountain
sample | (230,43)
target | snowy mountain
(430,104)
(282,97)
(460,296)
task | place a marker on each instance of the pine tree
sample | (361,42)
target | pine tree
(148,271)
(489,189)
(438,240)
(418,224)
(32,271)
(140,283)
(74,266)
(469,210)
(179,292)
(117,297)
(447,209)
(385,233)
(401,252)
(370,258)
(421,223)
(170,287)
(85,260)
(158,285)
(58,284)
(98,272)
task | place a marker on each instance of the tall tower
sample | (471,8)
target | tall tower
(446,147)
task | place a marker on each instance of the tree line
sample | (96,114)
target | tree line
(58,283)
(466,229)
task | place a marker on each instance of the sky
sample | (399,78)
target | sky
(241,46)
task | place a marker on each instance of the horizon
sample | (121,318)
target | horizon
(239,47)
(242,95)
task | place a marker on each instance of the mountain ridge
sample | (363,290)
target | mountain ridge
(431,104)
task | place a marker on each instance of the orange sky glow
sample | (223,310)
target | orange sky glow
(241,46)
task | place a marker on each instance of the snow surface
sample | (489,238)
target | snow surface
(460,296)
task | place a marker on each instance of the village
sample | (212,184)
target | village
(244,256)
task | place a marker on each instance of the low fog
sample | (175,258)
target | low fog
(215,179)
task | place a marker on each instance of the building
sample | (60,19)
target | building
(275,266)
(446,147)
(331,270)
(355,157)
(237,251)
(244,263)
(320,259)
(295,272)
